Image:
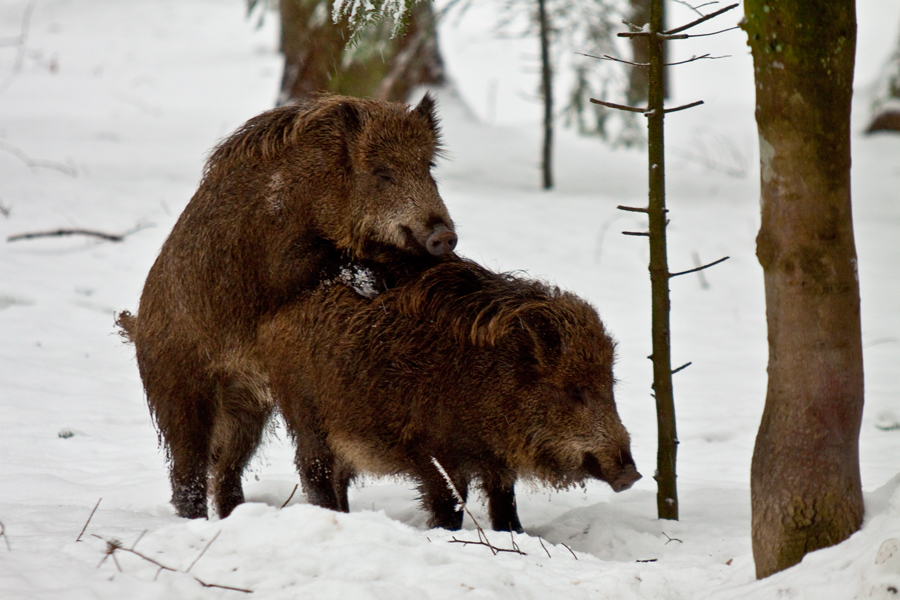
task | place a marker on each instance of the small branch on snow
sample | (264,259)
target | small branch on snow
(671,539)
(570,550)
(110,237)
(113,545)
(291,496)
(91,516)
(201,553)
(3,535)
(482,536)
(544,547)
(38,163)
(484,542)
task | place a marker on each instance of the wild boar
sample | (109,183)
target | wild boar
(494,376)
(284,201)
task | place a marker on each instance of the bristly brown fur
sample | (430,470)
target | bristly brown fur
(493,375)
(284,202)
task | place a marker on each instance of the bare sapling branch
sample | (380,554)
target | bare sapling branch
(632,209)
(637,233)
(683,107)
(682,367)
(706,56)
(91,516)
(703,19)
(612,58)
(618,106)
(712,264)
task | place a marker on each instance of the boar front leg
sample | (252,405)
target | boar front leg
(439,499)
(502,503)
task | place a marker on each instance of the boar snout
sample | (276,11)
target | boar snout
(619,481)
(441,241)
(626,479)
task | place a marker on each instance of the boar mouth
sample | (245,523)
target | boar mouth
(620,482)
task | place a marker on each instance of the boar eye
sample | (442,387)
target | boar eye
(385,175)
(575,393)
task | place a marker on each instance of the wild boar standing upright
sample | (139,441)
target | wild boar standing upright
(284,201)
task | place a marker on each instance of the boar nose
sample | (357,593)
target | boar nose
(626,479)
(441,242)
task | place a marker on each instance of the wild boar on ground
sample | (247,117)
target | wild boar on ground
(284,201)
(493,376)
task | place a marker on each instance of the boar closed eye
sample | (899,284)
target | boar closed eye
(385,175)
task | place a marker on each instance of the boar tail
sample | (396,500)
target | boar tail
(127,324)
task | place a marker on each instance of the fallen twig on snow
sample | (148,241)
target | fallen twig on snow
(291,496)
(113,545)
(482,536)
(91,516)
(110,237)
(3,535)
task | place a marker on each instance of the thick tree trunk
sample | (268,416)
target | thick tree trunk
(805,483)
(316,59)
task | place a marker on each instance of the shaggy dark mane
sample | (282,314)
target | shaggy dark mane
(482,307)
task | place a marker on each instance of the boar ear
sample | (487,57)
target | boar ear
(545,344)
(351,118)
(426,108)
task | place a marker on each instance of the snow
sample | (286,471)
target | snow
(106,116)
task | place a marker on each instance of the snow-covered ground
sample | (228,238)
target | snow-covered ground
(106,114)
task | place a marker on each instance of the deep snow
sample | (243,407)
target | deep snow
(105,119)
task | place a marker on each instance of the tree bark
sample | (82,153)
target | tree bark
(316,55)
(805,483)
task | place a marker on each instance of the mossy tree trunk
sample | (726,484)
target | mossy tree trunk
(805,483)
(318,58)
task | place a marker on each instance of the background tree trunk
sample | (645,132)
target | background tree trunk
(638,78)
(886,108)
(805,484)
(317,56)
(547,92)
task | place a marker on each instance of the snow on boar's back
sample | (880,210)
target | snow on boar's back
(494,376)
(293,194)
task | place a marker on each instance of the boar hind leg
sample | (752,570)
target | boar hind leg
(440,500)
(243,411)
(323,479)
(502,504)
(185,421)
